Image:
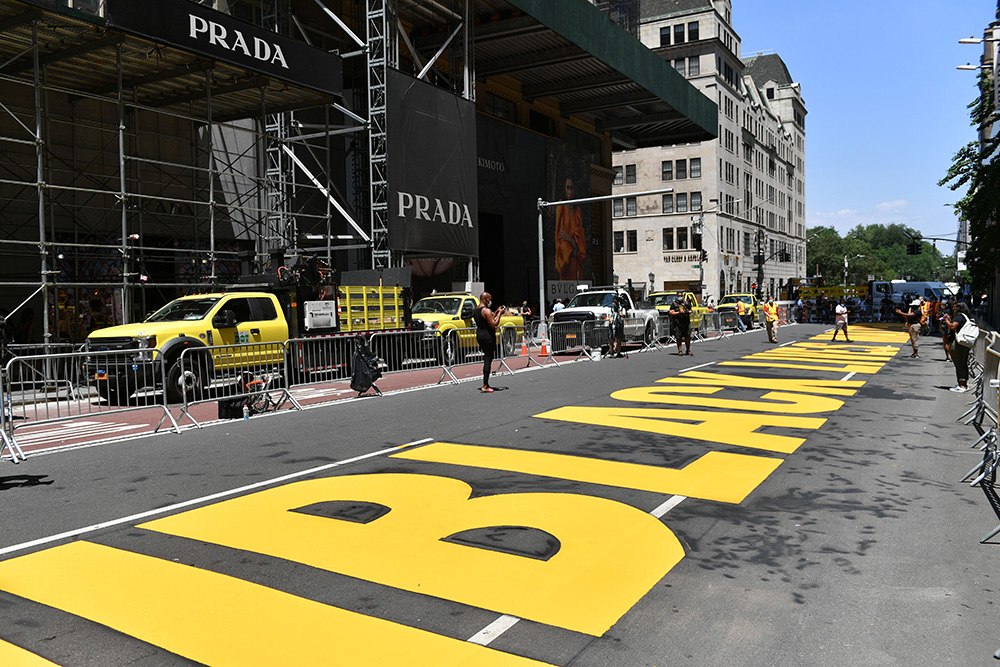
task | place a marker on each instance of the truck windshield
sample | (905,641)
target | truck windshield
(666,299)
(731,298)
(183,310)
(602,299)
(437,306)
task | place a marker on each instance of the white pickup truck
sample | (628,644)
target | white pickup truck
(592,308)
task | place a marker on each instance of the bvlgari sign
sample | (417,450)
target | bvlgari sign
(197,28)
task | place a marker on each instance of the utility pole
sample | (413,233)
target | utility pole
(760,264)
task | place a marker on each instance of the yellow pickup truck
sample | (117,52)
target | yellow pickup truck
(447,319)
(662,301)
(226,319)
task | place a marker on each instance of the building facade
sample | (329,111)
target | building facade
(735,218)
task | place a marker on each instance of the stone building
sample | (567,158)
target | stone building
(737,199)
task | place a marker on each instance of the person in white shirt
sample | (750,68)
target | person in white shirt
(841,313)
(558,305)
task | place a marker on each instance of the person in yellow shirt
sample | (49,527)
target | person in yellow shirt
(771,319)
(741,310)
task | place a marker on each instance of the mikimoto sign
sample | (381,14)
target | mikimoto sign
(199,29)
(433,192)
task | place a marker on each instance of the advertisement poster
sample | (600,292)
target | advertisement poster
(568,224)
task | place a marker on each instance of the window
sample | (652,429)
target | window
(265,309)
(630,173)
(619,241)
(631,240)
(618,208)
(630,206)
(668,203)
(500,107)
(668,238)
(679,34)
(694,66)
(664,37)
(619,176)
(696,167)
(693,31)
(667,170)
(770,93)
(682,202)
(241,307)
(682,238)
(682,169)
(695,201)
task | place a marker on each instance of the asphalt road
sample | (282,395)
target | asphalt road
(797,508)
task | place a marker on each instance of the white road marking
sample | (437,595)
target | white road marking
(494,630)
(62,432)
(848,376)
(666,506)
(694,367)
(204,499)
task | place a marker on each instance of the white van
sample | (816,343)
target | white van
(926,289)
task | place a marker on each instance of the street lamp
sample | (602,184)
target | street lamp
(845,266)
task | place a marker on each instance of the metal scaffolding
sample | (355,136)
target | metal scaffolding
(134,172)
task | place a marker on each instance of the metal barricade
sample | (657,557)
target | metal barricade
(316,360)
(641,331)
(45,370)
(461,347)
(414,350)
(569,336)
(93,383)
(241,372)
(664,330)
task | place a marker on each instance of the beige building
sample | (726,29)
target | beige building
(738,198)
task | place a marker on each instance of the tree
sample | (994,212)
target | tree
(877,250)
(973,167)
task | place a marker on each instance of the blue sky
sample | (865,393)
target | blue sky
(887,108)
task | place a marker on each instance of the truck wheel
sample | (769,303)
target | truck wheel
(509,342)
(178,383)
(648,335)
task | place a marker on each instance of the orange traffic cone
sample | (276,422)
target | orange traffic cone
(524,347)
(545,345)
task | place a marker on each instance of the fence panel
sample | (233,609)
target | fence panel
(234,373)
(89,383)
(316,360)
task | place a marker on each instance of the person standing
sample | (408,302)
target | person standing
(558,305)
(741,310)
(680,321)
(486,335)
(616,344)
(959,353)
(946,311)
(841,315)
(771,319)
(912,319)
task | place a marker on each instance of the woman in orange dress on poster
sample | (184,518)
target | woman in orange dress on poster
(571,241)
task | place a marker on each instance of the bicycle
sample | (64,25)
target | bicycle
(260,390)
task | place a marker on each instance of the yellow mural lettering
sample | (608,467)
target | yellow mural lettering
(609,552)
(841,368)
(799,385)
(731,428)
(772,401)
(15,656)
(218,620)
(718,476)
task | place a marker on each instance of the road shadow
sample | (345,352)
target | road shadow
(20,481)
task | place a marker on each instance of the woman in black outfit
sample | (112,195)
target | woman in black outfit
(959,353)
(486,335)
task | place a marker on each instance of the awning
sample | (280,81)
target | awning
(78,52)
(570,51)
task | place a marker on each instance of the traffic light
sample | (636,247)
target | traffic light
(696,241)
(704,255)
(914,248)
(784,256)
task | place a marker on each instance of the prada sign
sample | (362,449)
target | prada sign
(433,192)
(197,28)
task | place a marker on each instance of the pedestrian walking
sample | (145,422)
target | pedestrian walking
(740,311)
(946,310)
(912,319)
(959,353)
(841,324)
(486,335)
(680,321)
(771,319)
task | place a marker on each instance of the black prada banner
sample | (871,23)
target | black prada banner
(196,28)
(433,207)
